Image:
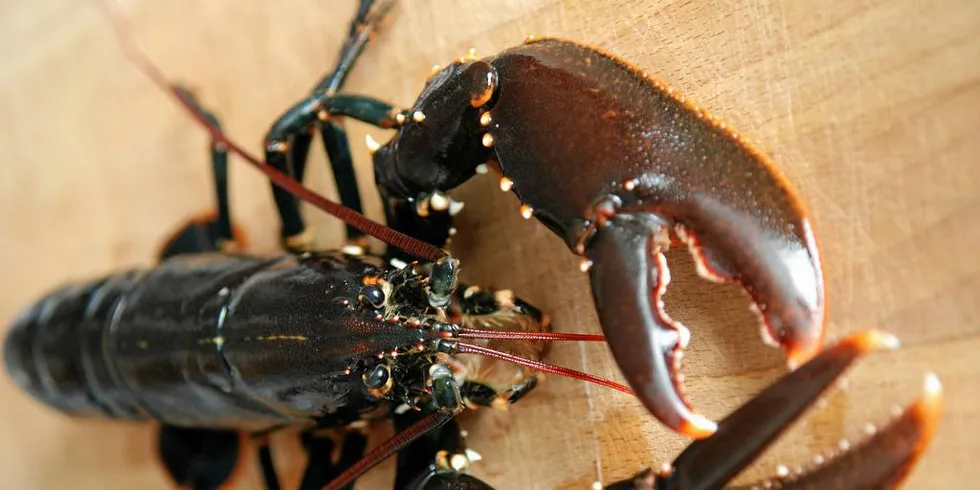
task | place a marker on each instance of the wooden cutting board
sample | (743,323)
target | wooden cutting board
(869,107)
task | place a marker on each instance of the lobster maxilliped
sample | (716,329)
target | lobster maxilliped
(617,164)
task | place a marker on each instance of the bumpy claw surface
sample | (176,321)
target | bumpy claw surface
(637,164)
(882,461)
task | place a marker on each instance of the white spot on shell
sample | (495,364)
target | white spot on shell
(471,454)
(458,462)
(372,144)
(439,201)
(354,250)
(932,385)
(455,207)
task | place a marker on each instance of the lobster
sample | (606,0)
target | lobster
(655,170)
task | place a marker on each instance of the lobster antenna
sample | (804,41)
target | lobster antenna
(412,246)
(463,348)
(389,447)
(477,333)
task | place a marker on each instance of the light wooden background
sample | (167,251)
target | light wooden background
(871,107)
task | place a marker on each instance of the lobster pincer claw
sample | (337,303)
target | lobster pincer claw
(770,252)
(882,461)
(627,265)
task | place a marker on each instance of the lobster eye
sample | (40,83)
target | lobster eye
(372,296)
(378,381)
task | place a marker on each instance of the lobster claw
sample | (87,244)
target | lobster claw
(644,341)
(780,271)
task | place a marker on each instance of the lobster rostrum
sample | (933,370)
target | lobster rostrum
(616,163)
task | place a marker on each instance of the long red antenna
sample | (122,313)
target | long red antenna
(389,447)
(541,366)
(412,246)
(477,333)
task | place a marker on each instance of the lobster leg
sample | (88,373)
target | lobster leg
(214,231)
(288,141)
(436,460)
(881,462)
(337,146)
(320,469)
(268,465)
(199,459)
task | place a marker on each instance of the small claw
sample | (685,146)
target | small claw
(885,460)
(744,434)
(643,339)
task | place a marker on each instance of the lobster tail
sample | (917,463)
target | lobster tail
(54,347)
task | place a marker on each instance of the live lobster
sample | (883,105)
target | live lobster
(616,163)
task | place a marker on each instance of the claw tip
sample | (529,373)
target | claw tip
(886,340)
(878,339)
(698,427)
(798,357)
(932,385)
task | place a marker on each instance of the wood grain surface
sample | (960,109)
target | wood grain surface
(870,107)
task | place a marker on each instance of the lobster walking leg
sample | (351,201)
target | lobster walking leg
(213,231)
(436,460)
(320,468)
(200,459)
(337,146)
(266,463)
(288,141)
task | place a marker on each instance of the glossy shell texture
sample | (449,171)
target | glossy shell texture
(572,126)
